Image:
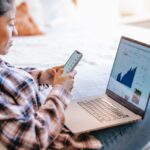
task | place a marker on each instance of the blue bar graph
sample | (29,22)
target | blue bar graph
(127,79)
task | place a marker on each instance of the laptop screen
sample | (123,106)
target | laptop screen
(130,76)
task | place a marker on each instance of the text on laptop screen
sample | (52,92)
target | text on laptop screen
(130,77)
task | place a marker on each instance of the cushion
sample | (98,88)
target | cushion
(58,11)
(75,2)
(26,19)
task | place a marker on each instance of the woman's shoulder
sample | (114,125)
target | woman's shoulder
(6,69)
(3,64)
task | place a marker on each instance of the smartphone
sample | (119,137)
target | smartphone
(72,61)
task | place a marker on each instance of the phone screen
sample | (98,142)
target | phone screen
(72,61)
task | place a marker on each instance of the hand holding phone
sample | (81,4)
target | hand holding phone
(72,61)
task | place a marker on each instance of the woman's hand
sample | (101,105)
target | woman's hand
(47,76)
(66,80)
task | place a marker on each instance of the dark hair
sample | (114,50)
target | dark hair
(5,6)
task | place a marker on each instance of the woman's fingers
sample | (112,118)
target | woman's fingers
(54,70)
(66,80)
(60,71)
(58,67)
(73,73)
(51,72)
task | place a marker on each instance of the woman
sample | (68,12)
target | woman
(26,122)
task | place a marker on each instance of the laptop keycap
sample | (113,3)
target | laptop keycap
(102,110)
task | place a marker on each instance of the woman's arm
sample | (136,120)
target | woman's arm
(24,128)
(34,72)
(43,77)
(25,124)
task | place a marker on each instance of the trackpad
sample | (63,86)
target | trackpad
(79,120)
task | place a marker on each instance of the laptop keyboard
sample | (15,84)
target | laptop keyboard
(102,110)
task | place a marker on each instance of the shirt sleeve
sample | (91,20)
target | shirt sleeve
(24,128)
(34,72)
(41,79)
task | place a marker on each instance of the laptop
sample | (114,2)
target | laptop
(127,93)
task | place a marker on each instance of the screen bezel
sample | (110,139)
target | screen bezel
(119,99)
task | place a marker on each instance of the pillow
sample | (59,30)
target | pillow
(29,18)
(75,2)
(57,11)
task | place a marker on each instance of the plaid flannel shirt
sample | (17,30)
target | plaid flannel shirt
(26,123)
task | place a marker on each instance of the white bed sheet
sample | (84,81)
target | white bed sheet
(98,44)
